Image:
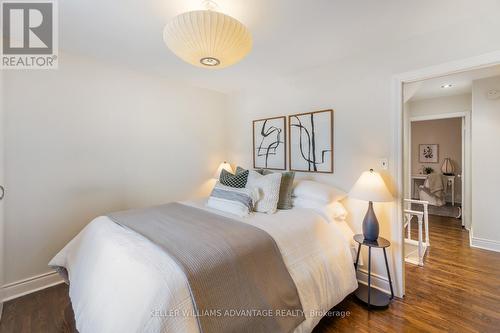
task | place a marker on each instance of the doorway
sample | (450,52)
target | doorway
(437,149)
(437,125)
(436,146)
(477,66)
(399,167)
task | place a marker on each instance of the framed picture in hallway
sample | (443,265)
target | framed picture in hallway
(311,141)
(269,143)
(429,153)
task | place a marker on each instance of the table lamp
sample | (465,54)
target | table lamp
(447,168)
(224,165)
(370,187)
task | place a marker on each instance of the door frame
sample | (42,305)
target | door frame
(397,103)
(465,117)
(2,182)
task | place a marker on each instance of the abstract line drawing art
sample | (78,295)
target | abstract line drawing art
(269,143)
(311,141)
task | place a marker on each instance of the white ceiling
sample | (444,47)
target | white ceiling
(289,35)
(461,84)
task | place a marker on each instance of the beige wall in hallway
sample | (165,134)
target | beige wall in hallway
(447,133)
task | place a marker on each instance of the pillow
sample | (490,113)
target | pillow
(308,189)
(238,201)
(238,180)
(333,211)
(286,186)
(268,189)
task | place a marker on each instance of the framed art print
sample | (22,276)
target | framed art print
(311,141)
(269,143)
(429,153)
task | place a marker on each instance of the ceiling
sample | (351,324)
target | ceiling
(461,83)
(289,35)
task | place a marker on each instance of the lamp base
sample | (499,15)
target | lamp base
(370,224)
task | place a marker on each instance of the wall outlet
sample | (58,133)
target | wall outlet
(383,163)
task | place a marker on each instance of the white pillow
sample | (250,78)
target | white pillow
(237,201)
(332,211)
(268,189)
(308,189)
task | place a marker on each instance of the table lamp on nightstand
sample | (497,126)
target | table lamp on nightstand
(223,166)
(370,187)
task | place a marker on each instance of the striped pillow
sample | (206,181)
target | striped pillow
(238,180)
(238,201)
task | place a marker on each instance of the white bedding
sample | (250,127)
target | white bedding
(121,282)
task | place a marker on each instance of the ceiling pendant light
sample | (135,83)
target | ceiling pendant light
(207,38)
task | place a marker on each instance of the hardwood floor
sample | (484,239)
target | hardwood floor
(45,311)
(458,290)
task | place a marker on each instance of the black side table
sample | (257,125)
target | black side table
(369,295)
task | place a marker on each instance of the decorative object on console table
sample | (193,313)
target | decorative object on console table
(223,166)
(429,153)
(370,187)
(269,143)
(367,294)
(311,141)
(447,168)
(428,170)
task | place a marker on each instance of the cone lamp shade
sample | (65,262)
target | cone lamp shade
(371,187)
(447,168)
(207,38)
(224,165)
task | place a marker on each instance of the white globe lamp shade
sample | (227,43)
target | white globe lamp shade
(207,38)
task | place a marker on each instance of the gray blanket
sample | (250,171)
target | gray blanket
(237,277)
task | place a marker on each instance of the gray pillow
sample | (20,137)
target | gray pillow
(285,199)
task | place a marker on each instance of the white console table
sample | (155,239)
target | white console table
(451,185)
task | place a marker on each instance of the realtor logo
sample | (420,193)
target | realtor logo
(29,30)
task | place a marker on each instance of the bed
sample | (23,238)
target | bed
(121,282)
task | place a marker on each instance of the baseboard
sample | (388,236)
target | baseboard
(30,285)
(485,244)
(377,281)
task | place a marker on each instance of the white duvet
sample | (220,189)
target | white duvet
(121,282)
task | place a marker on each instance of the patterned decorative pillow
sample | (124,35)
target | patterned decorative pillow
(286,187)
(238,180)
(268,188)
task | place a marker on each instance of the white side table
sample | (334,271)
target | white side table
(451,184)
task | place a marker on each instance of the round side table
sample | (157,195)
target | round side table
(367,294)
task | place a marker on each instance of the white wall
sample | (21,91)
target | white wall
(89,139)
(2,236)
(441,105)
(359,89)
(485,165)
